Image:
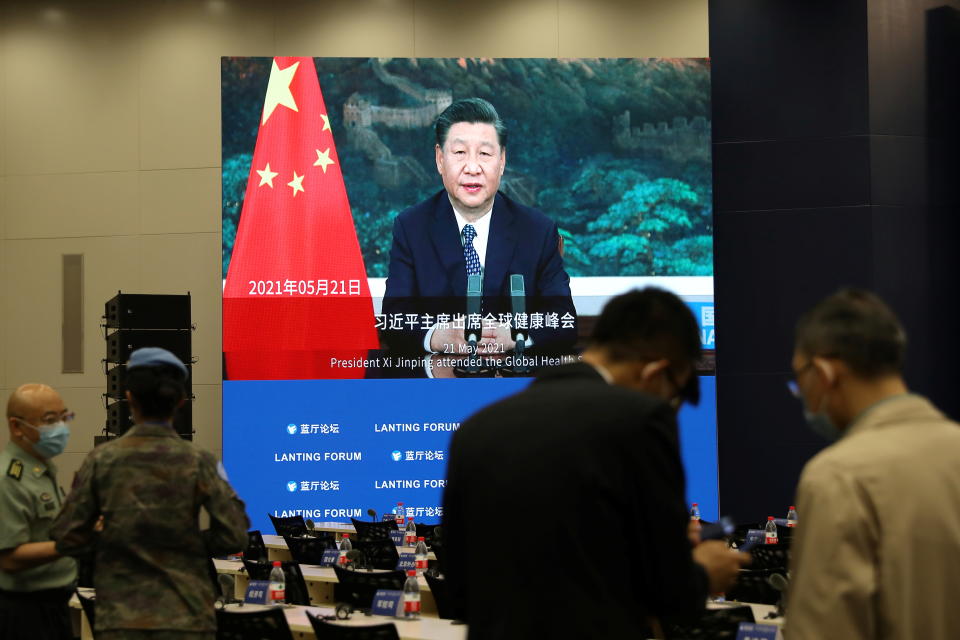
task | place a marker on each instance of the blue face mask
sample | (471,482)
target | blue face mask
(53,438)
(821,424)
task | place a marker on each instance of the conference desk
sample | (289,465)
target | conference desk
(320,582)
(426,628)
(277,549)
(423,629)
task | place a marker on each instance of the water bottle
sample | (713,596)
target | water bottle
(792,517)
(770,531)
(345,545)
(278,583)
(399,515)
(420,555)
(695,511)
(410,536)
(411,596)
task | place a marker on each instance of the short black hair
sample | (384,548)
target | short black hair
(157,390)
(649,324)
(856,327)
(471,110)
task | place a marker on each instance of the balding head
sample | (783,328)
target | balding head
(32,401)
(34,404)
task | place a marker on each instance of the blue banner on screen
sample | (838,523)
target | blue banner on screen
(331,449)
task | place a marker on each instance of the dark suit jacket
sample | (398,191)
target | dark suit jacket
(428,274)
(564,513)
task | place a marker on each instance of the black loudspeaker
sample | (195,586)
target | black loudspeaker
(119,419)
(147,311)
(120,344)
(116,386)
(145,320)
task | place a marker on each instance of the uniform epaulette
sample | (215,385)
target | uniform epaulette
(15,470)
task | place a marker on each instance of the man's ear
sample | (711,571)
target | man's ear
(439,154)
(649,370)
(826,369)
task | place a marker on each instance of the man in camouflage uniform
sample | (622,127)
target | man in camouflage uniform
(152,560)
(35,581)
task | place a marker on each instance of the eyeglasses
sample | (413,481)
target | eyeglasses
(66,416)
(793,381)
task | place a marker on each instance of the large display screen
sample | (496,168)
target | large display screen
(359,332)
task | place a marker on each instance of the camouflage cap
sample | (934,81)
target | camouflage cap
(153,357)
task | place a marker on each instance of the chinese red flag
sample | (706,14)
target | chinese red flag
(296,295)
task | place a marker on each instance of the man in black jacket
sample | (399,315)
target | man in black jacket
(585,467)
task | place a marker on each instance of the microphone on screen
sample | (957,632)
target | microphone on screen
(471,328)
(309,524)
(372,514)
(518,306)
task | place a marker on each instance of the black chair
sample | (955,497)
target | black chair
(426,530)
(752,586)
(357,588)
(323,629)
(373,530)
(771,556)
(252,624)
(438,587)
(89,606)
(714,624)
(295,586)
(255,549)
(289,525)
(308,550)
(378,554)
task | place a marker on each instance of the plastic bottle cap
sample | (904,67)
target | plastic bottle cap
(694,504)
(411,572)
(420,538)
(347,536)
(399,503)
(769,517)
(791,508)
(276,563)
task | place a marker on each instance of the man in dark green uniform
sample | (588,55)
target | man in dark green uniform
(35,580)
(149,485)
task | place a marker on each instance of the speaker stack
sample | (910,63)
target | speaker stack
(135,320)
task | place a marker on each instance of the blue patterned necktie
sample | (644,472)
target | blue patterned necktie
(469,253)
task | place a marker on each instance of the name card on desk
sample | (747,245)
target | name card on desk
(753,538)
(754,631)
(258,592)
(330,557)
(406,562)
(397,537)
(387,602)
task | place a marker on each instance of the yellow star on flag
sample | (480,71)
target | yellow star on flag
(326,122)
(266,176)
(296,184)
(278,90)
(323,159)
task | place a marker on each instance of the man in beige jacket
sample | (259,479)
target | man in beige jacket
(877,548)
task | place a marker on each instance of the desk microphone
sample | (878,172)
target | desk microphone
(227,588)
(781,584)
(372,514)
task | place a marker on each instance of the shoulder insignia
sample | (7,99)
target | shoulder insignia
(15,470)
